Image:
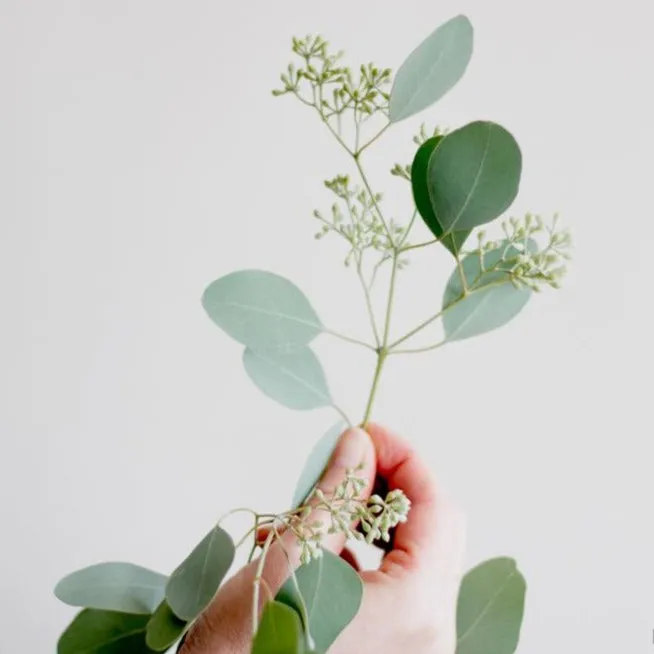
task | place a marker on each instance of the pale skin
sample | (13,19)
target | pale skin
(409,602)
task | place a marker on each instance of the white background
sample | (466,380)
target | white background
(142,156)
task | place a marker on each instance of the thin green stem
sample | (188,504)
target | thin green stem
(407,232)
(366,293)
(375,204)
(341,413)
(365,146)
(435,346)
(349,339)
(375,383)
(406,248)
(257,581)
(391,297)
(462,274)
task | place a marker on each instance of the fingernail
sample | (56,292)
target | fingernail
(351,449)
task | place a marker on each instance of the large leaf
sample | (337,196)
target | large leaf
(454,240)
(432,69)
(194,583)
(490,608)
(293,377)
(316,463)
(163,629)
(332,593)
(279,632)
(113,586)
(261,309)
(492,300)
(473,175)
(104,632)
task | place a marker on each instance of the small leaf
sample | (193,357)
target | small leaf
(332,593)
(194,583)
(163,629)
(432,69)
(490,608)
(280,631)
(113,586)
(473,175)
(293,378)
(104,632)
(453,241)
(316,463)
(261,310)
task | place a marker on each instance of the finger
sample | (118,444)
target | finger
(349,557)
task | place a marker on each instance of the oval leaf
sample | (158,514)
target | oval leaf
(454,240)
(490,608)
(432,69)
(113,586)
(194,583)
(332,593)
(104,632)
(473,175)
(279,632)
(261,309)
(293,378)
(163,629)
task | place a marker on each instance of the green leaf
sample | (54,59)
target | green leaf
(261,310)
(332,592)
(490,608)
(104,632)
(293,378)
(453,241)
(432,69)
(492,300)
(280,631)
(473,175)
(194,583)
(113,586)
(163,629)
(316,463)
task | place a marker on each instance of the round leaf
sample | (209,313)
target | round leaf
(163,629)
(490,608)
(261,310)
(473,175)
(113,586)
(194,583)
(293,378)
(432,69)
(279,632)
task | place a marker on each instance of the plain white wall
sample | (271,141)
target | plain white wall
(142,156)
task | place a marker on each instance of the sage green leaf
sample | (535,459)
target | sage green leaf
(490,608)
(332,593)
(454,240)
(261,310)
(113,586)
(316,463)
(164,628)
(279,632)
(194,583)
(432,69)
(492,299)
(104,632)
(293,378)
(473,175)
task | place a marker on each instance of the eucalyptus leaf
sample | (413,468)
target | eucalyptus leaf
(432,69)
(332,593)
(454,240)
(473,175)
(194,583)
(490,608)
(293,377)
(164,628)
(113,586)
(261,310)
(104,632)
(279,632)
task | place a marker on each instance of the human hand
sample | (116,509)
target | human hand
(409,603)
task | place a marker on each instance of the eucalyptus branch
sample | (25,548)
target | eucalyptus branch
(349,339)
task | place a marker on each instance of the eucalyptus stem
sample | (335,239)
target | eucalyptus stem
(258,578)
(381,357)
(375,204)
(349,339)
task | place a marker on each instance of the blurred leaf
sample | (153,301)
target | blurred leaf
(113,586)
(490,608)
(280,631)
(194,583)
(453,241)
(293,378)
(261,310)
(473,175)
(332,592)
(432,69)
(163,629)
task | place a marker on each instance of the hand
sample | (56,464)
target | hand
(409,603)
